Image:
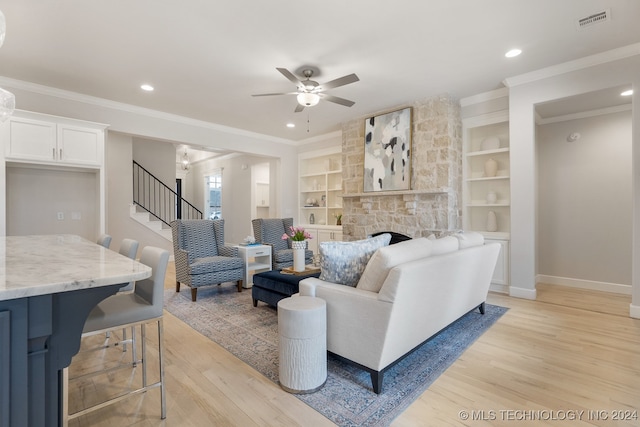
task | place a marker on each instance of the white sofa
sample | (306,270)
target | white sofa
(424,285)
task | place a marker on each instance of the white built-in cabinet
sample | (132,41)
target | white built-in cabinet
(485,195)
(53,142)
(320,194)
(37,140)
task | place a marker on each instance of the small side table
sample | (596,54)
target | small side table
(257,258)
(302,334)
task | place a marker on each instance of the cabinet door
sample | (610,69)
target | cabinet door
(31,140)
(501,273)
(312,244)
(327,235)
(79,145)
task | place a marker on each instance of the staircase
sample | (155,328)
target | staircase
(150,221)
(155,204)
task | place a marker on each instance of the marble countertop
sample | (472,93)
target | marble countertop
(41,265)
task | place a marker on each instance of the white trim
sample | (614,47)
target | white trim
(524,293)
(484,97)
(578,64)
(313,139)
(583,114)
(120,106)
(486,119)
(502,289)
(615,288)
(634,311)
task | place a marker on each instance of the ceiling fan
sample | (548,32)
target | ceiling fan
(309,91)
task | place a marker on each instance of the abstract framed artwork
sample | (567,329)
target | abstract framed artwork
(387,151)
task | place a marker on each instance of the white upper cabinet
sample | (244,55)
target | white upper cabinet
(43,139)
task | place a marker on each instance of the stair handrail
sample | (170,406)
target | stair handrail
(164,204)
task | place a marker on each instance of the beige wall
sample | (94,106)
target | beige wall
(585,199)
(36,196)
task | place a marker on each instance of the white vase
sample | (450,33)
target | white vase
(492,221)
(492,197)
(298,255)
(490,168)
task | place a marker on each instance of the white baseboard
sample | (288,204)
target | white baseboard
(615,288)
(524,293)
(501,289)
(634,311)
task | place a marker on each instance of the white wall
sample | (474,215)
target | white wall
(584,202)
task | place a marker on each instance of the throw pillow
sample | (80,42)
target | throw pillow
(344,262)
(469,239)
(385,258)
(444,245)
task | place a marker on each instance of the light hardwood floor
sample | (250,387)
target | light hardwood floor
(572,350)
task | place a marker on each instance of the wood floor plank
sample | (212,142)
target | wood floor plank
(571,350)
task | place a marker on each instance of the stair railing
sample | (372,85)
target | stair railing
(155,197)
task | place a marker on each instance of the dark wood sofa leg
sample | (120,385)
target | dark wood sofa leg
(255,302)
(177,286)
(239,285)
(376,381)
(481,308)
(194,294)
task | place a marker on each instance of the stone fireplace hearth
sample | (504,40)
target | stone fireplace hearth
(432,205)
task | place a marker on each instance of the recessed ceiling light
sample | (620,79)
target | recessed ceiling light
(146,87)
(513,53)
(290,125)
(627,92)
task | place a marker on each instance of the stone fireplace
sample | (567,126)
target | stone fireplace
(432,205)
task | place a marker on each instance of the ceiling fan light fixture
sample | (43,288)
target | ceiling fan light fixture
(308,99)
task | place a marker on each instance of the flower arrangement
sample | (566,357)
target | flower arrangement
(297,234)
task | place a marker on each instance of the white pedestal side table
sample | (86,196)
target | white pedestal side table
(302,332)
(257,258)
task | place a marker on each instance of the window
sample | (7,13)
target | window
(213,189)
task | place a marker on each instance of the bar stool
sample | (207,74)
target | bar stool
(104,240)
(143,305)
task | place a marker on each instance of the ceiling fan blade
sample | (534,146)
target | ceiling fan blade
(299,108)
(344,80)
(289,75)
(272,94)
(336,99)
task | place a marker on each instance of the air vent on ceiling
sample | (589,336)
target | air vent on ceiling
(593,19)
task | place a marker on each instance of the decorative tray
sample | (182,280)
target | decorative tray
(308,269)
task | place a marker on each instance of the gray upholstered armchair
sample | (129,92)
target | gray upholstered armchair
(269,232)
(201,257)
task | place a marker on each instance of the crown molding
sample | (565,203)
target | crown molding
(484,97)
(578,64)
(582,115)
(128,108)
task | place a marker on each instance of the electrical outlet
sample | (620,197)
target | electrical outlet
(60,216)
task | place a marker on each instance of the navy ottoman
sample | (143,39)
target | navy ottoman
(272,286)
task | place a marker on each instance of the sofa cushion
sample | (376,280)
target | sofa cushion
(444,245)
(469,239)
(387,257)
(344,262)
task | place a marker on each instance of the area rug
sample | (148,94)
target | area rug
(228,317)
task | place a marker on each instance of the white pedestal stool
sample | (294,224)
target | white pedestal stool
(302,329)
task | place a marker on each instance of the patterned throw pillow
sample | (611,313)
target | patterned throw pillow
(344,262)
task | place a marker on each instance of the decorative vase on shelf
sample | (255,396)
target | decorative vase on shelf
(312,219)
(298,254)
(492,197)
(492,221)
(490,168)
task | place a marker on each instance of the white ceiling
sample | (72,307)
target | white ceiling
(206,58)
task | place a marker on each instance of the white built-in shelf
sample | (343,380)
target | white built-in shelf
(487,178)
(396,193)
(487,205)
(488,152)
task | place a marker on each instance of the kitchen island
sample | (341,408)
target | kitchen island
(48,286)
